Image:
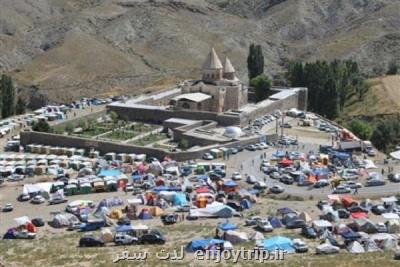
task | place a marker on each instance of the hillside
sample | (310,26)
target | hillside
(87,47)
(382,99)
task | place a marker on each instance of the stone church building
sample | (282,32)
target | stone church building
(219,89)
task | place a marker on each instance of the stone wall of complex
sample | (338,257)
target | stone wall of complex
(30,137)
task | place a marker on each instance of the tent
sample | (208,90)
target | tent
(246,204)
(321,225)
(359,215)
(124,229)
(286,162)
(230,186)
(305,217)
(63,220)
(257,236)
(371,246)
(327,248)
(179,199)
(350,235)
(236,237)
(116,214)
(365,225)
(214,209)
(278,242)
(275,222)
(393,226)
(203,244)
(156,211)
(145,214)
(385,241)
(227,226)
(106,235)
(355,247)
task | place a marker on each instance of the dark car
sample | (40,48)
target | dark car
(170,218)
(152,239)
(395,178)
(239,148)
(375,182)
(286,179)
(234,206)
(304,183)
(378,209)
(321,183)
(124,221)
(343,214)
(215,176)
(295,223)
(90,241)
(38,222)
(24,197)
(308,231)
(357,209)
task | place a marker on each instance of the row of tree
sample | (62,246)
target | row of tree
(329,84)
(9,104)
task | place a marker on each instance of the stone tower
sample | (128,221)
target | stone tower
(212,68)
(229,70)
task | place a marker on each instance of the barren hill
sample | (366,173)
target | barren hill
(70,48)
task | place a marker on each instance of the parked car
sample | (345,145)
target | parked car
(24,234)
(340,189)
(378,209)
(276,189)
(37,200)
(286,179)
(208,156)
(381,227)
(57,200)
(375,182)
(124,221)
(264,225)
(352,184)
(308,231)
(38,222)
(300,246)
(236,176)
(395,178)
(74,226)
(24,197)
(128,188)
(304,182)
(371,153)
(90,241)
(8,207)
(251,147)
(321,183)
(295,223)
(152,239)
(124,239)
(343,213)
(275,175)
(252,220)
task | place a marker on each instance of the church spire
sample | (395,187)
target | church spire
(212,62)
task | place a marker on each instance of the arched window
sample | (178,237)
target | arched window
(185,106)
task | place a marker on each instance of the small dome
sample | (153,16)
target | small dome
(232,132)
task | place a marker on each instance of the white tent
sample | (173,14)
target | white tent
(355,247)
(395,155)
(390,216)
(321,225)
(37,188)
(393,226)
(22,220)
(327,248)
(214,209)
(236,237)
(385,241)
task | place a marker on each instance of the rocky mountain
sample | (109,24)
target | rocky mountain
(63,49)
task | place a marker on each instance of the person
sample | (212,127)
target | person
(356,191)
(252,162)
(241,166)
(383,171)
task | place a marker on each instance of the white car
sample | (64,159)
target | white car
(124,239)
(341,190)
(236,176)
(352,185)
(300,246)
(208,156)
(263,145)
(264,225)
(276,189)
(37,200)
(128,188)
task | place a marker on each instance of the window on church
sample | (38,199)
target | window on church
(186,106)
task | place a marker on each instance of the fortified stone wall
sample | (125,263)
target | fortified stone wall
(30,137)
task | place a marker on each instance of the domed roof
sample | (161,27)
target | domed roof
(232,132)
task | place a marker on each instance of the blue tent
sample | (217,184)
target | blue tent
(110,172)
(179,199)
(145,214)
(202,177)
(227,226)
(167,188)
(285,211)
(275,222)
(246,204)
(278,242)
(202,244)
(136,176)
(230,183)
(124,228)
(351,235)
(279,154)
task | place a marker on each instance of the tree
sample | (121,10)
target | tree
(69,128)
(296,74)
(114,116)
(382,135)
(262,86)
(184,144)
(255,61)
(8,96)
(329,100)
(360,128)
(393,68)
(21,106)
(41,126)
